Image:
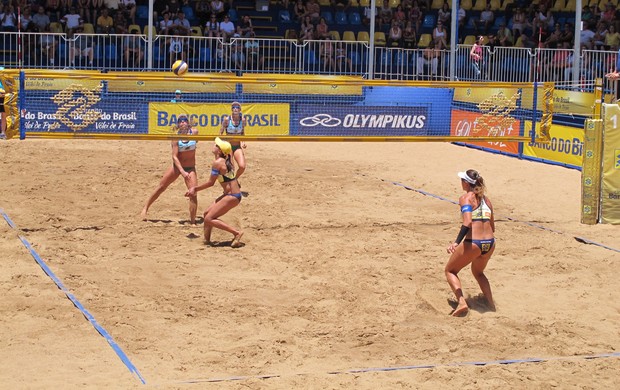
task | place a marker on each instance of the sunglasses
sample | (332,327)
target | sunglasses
(237,107)
(182,120)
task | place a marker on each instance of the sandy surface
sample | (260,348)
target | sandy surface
(341,270)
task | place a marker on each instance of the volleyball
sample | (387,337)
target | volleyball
(180,67)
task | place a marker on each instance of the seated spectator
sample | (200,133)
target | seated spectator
(227,28)
(133,48)
(568,34)
(430,58)
(341,5)
(395,35)
(443,15)
(129,8)
(8,19)
(410,39)
(519,23)
(105,23)
(322,30)
(81,46)
(553,41)
(485,21)
(252,47)
(245,28)
(313,9)
(587,36)
(461,20)
(53,7)
(174,7)
(299,10)
(609,14)
(182,24)
(166,24)
(612,38)
(120,23)
(306,33)
(48,42)
(203,9)
(217,7)
(212,27)
(96,8)
(399,16)
(220,56)
(72,20)
(415,16)
(112,5)
(83,8)
(342,62)
(25,18)
(504,36)
(598,41)
(384,16)
(440,36)
(41,19)
(560,62)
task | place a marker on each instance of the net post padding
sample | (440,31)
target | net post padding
(591,171)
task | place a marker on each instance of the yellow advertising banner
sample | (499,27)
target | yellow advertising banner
(573,102)
(262,119)
(54,84)
(565,147)
(169,86)
(610,194)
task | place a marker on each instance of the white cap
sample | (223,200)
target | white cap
(463,175)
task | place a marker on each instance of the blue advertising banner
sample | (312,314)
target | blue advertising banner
(321,120)
(78,109)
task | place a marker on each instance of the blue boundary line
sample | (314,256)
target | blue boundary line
(580,239)
(77,303)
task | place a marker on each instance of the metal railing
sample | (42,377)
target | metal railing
(129,52)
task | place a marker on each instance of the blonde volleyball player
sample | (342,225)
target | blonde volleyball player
(235,125)
(222,170)
(475,242)
(183,164)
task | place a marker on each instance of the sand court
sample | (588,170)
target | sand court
(340,282)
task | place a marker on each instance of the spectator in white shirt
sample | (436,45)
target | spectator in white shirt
(72,20)
(227,28)
(8,20)
(182,24)
(486,19)
(41,19)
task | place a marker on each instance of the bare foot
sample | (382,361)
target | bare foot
(236,242)
(143,214)
(460,311)
(208,242)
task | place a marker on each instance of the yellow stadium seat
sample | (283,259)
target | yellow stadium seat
(469,40)
(88,28)
(325,3)
(196,31)
(148,28)
(480,5)
(354,3)
(558,5)
(380,38)
(394,3)
(519,42)
(290,33)
(56,27)
(496,5)
(335,35)
(132,28)
(348,36)
(570,6)
(437,4)
(425,40)
(466,5)
(363,36)
(504,4)
(364,3)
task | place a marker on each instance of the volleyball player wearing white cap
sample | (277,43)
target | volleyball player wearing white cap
(475,242)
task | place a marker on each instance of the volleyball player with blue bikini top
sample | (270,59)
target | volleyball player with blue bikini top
(475,242)
(234,125)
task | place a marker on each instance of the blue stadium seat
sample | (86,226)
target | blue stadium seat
(234,17)
(341,18)
(284,16)
(429,22)
(328,16)
(189,14)
(355,18)
(400,59)
(310,57)
(142,12)
(202,61)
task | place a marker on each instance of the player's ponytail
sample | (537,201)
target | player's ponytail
(478,188)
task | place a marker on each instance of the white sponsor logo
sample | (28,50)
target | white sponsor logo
(366,121)
(320,119)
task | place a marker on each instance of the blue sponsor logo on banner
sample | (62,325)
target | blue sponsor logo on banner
(363,120)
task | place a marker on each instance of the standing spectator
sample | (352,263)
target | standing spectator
(72,20)
(227,28)
(342,61)
(176,46)
(245,28)
(252,47)
(475,55)
(237,56)
(48,44)
(105,23)
(41,19)
(327,55)
(133,49)
(486,20)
